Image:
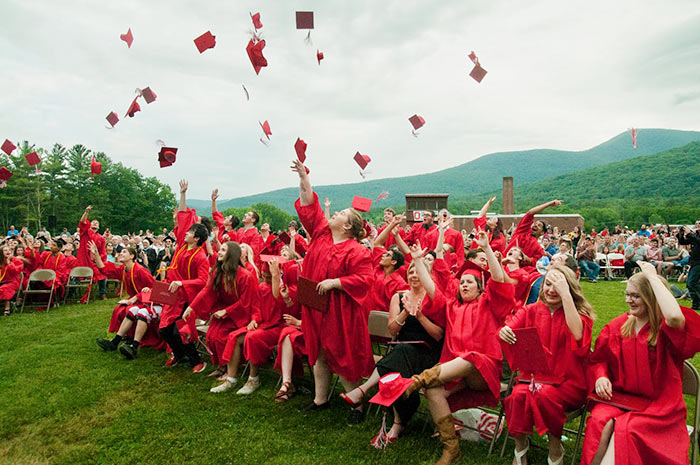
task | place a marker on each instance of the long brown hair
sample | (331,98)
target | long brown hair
(648,297)
(2,255)
(226,270)
(582,305)
(357,227)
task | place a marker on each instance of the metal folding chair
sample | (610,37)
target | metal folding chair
(76,280)
(40,276)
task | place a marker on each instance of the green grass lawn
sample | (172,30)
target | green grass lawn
(64,401)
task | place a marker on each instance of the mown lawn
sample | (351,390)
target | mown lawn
(64,401)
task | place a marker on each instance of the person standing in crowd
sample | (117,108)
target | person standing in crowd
(692,238)
(10,270)
(420,230)
(89,233)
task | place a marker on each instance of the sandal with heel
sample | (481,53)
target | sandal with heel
(349,401)
(286,394)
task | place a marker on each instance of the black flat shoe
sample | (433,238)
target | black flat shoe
(356,417)
(313,407)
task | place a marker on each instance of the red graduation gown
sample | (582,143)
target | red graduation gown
(83,255)
(251,237)
(290,272)
(10,278)
(657,434)
(471,335)
(523,238)
(219,221)
(418,233)
(525,277)
(58,264)
(452,237)
(341,332)
(390,238)
(546,409)
(238,303)
(383,287)
(189,266)
(497,245)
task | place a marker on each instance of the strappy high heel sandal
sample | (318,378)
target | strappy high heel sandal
(352,404)
(286,394)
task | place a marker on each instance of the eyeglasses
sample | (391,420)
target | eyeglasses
(632,295)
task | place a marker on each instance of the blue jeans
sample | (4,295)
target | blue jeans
(693,284)
(590,268)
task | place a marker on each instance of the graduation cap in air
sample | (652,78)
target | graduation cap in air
(382,196)
(148,95)
(33,160)
(633,133)
(8,147)
(319,56)
(300,148)
(112,119)
(256,21)
(166,156)
(133,108)
(361,204)
(305,20)
(128,38)
(205,42)
(478,72)
(95,167)
(5,175)
(417,122)
(362,160)
(266,129)
(255,54)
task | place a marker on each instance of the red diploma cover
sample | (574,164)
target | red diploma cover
(309,296)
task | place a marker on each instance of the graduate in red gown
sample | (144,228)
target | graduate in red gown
(227,231)
(54,260)
(641,353)
(564,321)
(452,241)
(386,262)
(337,341)
(10,271)
(520,272)
(89,233)
(527,233)
(420,230)
(389,215)
(469,372)
(71,260)
(228,299)
(493,226)
(267,238)
(133,321)
(32,257)
(290,345)
(248,261)
(186,275)
(249,234)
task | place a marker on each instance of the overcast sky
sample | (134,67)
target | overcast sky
(561,74)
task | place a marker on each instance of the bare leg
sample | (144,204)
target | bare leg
(520,445)
(141,327)
(287,359)
(556,449)
(356,395)
(605,440)
(437,402)
(609,457)
(253,370)
(322,379)
(460,368)
(232,365)
(124,327)
(397,427)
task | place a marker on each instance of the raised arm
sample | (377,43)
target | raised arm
(214,196)
(306,195)
(442,227)
(95,253)
(540,208)
(400,242)
(667,303)
(182,206)
(573,319)
(485,209)
(327,208)
(423,274)
(384,235)
(495,268)
(275,272)
(85,213)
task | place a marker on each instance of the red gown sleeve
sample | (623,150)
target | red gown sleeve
(480,223)
(311,217)
(499,299)
(242,310)
(598,361)
(686,340)
(144,278)
(191,287)
(112,271)
(183,223)
(583,347)
(203,304)
(358,283)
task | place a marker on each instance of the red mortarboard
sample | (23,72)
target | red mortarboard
(478,73)
(305,19)
(416,121)
(266,129)
(5,175)
(361,204)
(391,386)
(255,53)
(128,37)
(112,119)
(205,42)
(148,95)
(268,258)
(633,133)
(382,196)
(362,160)
(133,108)
(32,158)
(300,147)
(8,147)
(256,21)
(166,156)
(319,56)
(95,167)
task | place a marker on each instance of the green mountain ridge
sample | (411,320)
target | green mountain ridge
(483,174)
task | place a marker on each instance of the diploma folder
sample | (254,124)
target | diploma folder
(623,401)
(528,356)
(160,294)
(308,295)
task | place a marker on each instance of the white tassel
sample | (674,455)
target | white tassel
(382,439)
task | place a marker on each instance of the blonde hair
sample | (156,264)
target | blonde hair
(646,293)
(582,305)
(247,253)
(357,226)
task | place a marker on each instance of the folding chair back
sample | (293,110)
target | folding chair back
(379,326)
(691,387)
(613,268)
(40,276)
(80,273)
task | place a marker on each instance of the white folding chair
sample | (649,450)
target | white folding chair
(79,277)
(40,276)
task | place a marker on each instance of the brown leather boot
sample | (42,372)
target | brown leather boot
(429,378)
(449,438)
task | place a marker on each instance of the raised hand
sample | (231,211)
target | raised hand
(326,203)
(299,168)
(215,194)
(647,268)
(417,251)
(183,186)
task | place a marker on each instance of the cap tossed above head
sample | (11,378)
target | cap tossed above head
(633,133)
(478,72)
(361,204)
(95,167)
(205,42)
(32,158)
(166,156)
(266,129)
(362,160)
(133,108)
(5,175)
(128,38)
(256,21)
(8,147)
(300,148)
(382,196)
(319,56)
(305,19)
(416,121)
(255,54)
(112,119)
(148,95)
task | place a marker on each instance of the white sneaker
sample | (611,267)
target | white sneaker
(249,387)
(229,383)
